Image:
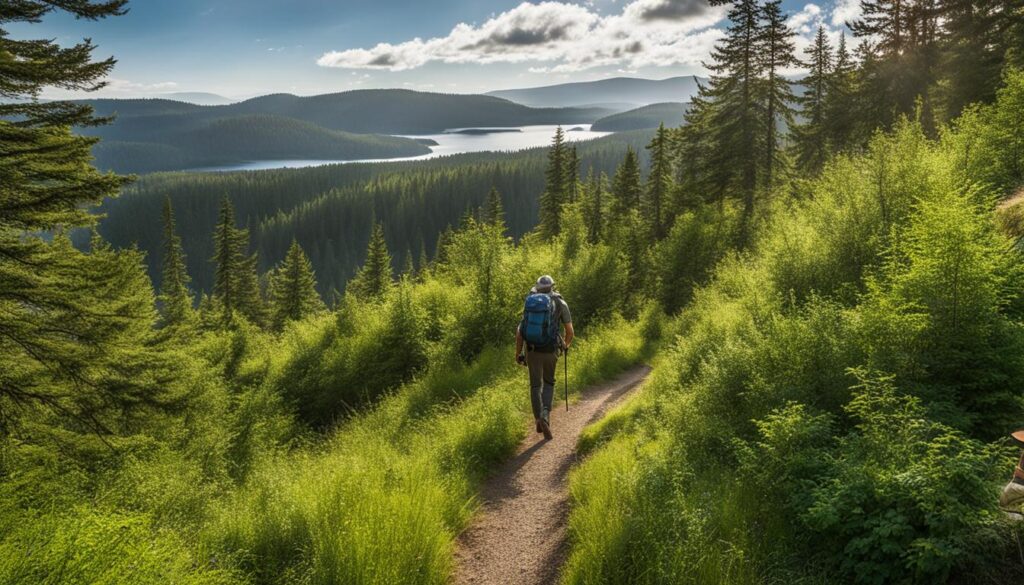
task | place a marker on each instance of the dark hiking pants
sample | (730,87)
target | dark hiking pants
(542,380)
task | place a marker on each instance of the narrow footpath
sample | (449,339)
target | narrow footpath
(519,535)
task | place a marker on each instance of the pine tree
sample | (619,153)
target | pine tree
(554,191)
(811,137)
(659,185)
(293,293)
(626,186)
(175,297)
(973,50)
(441,247)
(572,175)
(75,326)
(374,278)
(903,58)
(408,270)
(593,205)
(493,212)
(726,118)
(777,54)
(840,102)
(423,264)
(233,278)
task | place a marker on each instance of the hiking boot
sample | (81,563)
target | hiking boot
(545,426)
(539,429)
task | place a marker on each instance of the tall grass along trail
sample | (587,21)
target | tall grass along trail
(519,535)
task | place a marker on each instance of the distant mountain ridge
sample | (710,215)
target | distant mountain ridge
(199,98)
(162,134)
(616,90)
(643,118)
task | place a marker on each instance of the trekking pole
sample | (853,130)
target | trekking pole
(566,367)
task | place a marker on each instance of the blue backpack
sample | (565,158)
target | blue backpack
(540,320)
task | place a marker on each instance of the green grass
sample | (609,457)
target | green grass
(383,500)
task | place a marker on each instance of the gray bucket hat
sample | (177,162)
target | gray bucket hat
(545,283)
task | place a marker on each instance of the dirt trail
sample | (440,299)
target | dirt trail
(519,534)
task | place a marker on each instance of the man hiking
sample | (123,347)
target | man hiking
(540,334)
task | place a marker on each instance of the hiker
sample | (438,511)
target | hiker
(1012,498)
(540,335)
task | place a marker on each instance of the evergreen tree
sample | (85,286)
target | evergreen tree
(626,187)
(572,175)
(973,51)
(493,211)
(840,101)
(593,205)
(293,293)
(175,297)
(75,326)
(727,116)
(811,137)
(777,55)
(236,284)
(408,270)
(554,190)
(659,185)
(375,277)
(902,55)
(441,248)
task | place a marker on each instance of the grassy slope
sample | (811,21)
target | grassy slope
(383,499)
(822,416)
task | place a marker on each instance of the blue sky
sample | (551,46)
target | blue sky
(241,48)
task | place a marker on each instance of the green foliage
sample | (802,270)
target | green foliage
(374,279)
(888,263)
(292,287)
(235,286)
(908,500)
(654,203)
(811,138)
(555,183)
(626,188)
(175,296)
(328,209)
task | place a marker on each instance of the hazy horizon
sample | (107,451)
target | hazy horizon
(241,49)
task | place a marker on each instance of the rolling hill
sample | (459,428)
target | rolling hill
(200,98)
(248,137)
(160,134)
(617,90)
(669,113)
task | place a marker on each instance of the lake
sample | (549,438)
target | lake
(454,141)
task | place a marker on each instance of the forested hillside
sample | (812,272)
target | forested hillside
(670,113)
(245,138)
(329,209)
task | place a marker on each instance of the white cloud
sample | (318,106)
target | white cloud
(565,37)
(845,11)
(807,20)
(125,86)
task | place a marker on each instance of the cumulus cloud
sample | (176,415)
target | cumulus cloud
(567,37)
(845,11)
